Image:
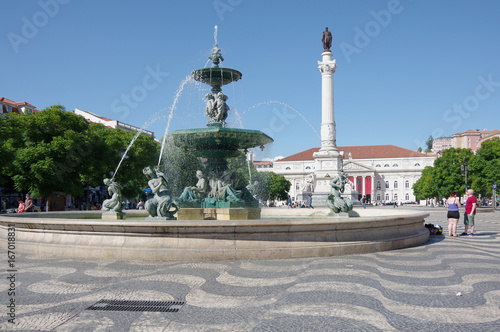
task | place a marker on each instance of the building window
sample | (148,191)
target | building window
(288,168)
(378,165)
(395,184)
(378,185)
(297,187)
(407,184)
(308,167)
(395,197)
(378,197)
(395,165)
(407,196)
(386,165)
(387,184)
(417,164)
(386,197)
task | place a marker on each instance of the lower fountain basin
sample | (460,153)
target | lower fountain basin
(218,141)
(82,235)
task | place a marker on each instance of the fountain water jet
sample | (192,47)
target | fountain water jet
(171,114)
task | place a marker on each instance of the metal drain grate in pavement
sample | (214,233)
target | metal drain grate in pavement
(128,305)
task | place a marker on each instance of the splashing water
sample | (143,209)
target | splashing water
(172,108)
(286,105)
(238,119)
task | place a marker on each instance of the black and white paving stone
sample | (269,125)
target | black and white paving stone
(448,284)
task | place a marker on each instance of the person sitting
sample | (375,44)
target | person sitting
(21,206)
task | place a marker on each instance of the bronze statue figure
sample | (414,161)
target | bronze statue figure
(327,40)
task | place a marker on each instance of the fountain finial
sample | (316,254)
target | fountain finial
(216,57)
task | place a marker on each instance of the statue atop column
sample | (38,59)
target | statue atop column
(327,40)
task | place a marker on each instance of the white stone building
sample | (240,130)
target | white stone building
(381,172)
(94,118)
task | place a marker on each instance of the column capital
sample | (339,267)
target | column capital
(327,67)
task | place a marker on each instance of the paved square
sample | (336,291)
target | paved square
(402,290)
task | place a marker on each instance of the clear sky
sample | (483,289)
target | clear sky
(405,69)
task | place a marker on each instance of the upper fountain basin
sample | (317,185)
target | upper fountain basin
(216,76)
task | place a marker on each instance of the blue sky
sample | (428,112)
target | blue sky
(405,69)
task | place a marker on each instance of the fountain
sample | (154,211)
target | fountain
(217,143)
(236,231)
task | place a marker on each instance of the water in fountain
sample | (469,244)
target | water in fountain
(249,157)
(171,114)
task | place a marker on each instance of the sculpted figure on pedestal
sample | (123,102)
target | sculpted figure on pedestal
(161,205)
(335,201)
(115,202)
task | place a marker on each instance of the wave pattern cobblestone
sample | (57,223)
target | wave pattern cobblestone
(402,290)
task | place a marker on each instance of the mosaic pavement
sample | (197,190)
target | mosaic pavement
(448,284)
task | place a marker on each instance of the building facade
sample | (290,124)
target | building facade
(471,139)
(384,173)
(94,118)
(441,143)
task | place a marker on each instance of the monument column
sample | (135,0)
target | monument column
(328,131)
(328,161)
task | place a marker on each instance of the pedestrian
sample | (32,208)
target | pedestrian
(363,202)
(453,215)
(309,202)
(289,202)
(470,212)
(140,205)
(28,204)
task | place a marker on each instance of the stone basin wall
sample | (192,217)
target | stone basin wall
(61,234)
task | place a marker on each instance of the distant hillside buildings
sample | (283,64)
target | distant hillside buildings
(470,139)
(9,106)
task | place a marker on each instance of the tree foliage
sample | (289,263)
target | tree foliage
(429,142)
(278,187)
(446,174)
(57,151)
(485,167)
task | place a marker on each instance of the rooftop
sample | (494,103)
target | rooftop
(360,152)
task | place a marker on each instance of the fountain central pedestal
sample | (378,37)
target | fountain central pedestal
(216,143)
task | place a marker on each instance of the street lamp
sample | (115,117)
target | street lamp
(465,169)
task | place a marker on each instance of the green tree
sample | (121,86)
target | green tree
(425,187)
(46,140)
(278,187)
(57,151)
(445,176)
(429,142)
(484,167)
